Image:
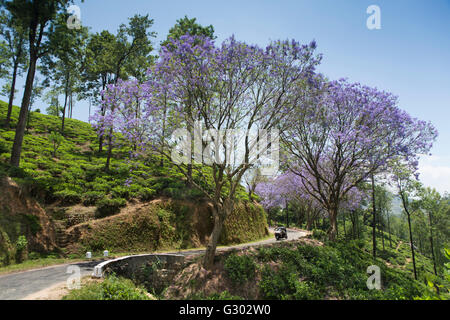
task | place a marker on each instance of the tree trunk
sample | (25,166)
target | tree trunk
(345,231)
(332,231)
(287,214)
(108,158)
(412,246)
(431,243)
(410,235)
(389,229)
(64,111)
(101,138)
(11,95)
(220,214)
(374,221)
(20,130)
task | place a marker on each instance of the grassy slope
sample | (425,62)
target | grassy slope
(75,176)
(295,271)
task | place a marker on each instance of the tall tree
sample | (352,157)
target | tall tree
(430,201)
(133,42)
(15,41)
(343,134)
(199,69)
(35,17)
(64,66)
(188,26)
(407,187)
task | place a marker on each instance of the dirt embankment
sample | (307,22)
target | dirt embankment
(21,215)
(165,224)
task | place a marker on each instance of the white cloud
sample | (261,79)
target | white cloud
(435,172)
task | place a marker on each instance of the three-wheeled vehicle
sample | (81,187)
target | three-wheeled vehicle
(281,233)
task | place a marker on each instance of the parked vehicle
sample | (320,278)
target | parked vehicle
(281,233)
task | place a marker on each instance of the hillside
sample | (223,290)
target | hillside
(87,206)
(302,270)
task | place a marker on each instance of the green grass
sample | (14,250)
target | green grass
(34,264)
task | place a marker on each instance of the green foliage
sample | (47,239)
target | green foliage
(68,197)
(56,139)
(224,295)
(240,268)
(335,270)
(285,284)
(21,243)
(7,250)
(21,249)
(319,234)
(188,26)
(107,207)
(146,194)
(90,198)
(112,288)
(32,223)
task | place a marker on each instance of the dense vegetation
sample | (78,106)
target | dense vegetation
(73,175)
(340,143)
(113,288)
(302,270)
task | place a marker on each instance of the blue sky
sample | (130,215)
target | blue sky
(409,56)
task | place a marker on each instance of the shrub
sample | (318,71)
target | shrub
(90,198)
(107,207)
(3,148)
(32,222)
(16,172)
(21,249)
(56,139)
(146,194)
(319,235)
(120,192)
(112,288)
(68,197)
(6,249)
(239,268)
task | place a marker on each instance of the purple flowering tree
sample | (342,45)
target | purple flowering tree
(291,187)
(206,91)
(343,133)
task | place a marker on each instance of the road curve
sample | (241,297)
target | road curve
(19,285)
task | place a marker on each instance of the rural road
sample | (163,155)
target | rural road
(19,285)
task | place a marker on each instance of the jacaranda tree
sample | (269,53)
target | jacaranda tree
(220,95)
(345,132)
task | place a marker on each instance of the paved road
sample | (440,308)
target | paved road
(16,286)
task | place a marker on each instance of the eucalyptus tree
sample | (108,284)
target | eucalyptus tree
(437,210)
(186,26)
(63,66)
(14,55)
(112,57)
(35,17)
(407,186)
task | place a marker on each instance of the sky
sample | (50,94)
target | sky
(409,56)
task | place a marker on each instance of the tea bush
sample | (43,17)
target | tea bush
(107,207)
(239,268)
